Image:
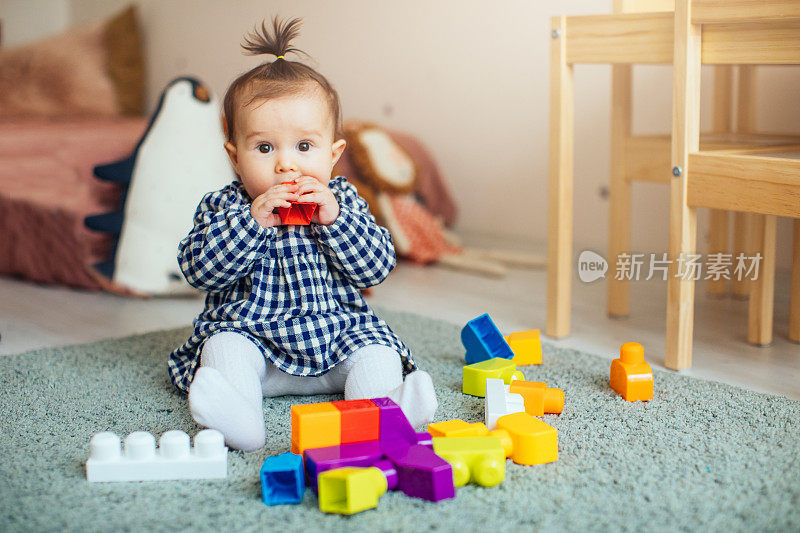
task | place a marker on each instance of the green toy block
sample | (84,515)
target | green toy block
(350,490)
(475,375)
(481,460)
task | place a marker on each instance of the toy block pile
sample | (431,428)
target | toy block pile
(350,452)
(511,403)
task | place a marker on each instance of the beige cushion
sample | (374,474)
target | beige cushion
(94,70)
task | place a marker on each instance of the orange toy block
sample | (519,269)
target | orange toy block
(527,347)
(360,420)
(631,376)
(505,440)
(457,428)
(539,398)
(315,425)
(534,441)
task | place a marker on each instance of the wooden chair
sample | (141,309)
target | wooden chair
(762,181)
(640,31)
(645,158)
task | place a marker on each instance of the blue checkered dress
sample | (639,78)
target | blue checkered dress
(293,290)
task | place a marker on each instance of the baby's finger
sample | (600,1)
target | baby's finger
(289,186)
(310,187)
(308,181)
(289,196)
(316,198)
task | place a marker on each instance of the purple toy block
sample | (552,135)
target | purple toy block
(318,460)
(389,471)
(394,424)
(421,473)
(425,438)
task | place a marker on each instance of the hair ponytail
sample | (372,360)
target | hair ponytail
(273,79)
(276,42)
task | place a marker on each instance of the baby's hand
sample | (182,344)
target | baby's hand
(264,206)
(311,190)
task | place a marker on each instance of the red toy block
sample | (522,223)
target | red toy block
(299,214)
(360,420)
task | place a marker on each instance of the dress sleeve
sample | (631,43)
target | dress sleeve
(224,243)
(355,245)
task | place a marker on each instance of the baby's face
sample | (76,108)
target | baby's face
(282,139)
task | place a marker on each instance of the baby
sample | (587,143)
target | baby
(283,313)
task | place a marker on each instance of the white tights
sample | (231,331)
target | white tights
(226,393)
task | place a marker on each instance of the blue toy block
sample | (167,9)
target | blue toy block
(282,479)
(483,341)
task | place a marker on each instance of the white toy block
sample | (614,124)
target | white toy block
(140,461)
(499,402)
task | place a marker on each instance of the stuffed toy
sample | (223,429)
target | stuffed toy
(178,160)
(386,177)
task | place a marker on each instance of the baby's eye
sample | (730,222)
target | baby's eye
(264,148)
(304,146)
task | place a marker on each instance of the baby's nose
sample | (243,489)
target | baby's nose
(285,163)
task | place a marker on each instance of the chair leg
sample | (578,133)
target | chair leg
(723,123)
(559,232)
(717,244)
(619,234)
(794,295)
(745,123)
(741,234)
(683,217)
(762,287)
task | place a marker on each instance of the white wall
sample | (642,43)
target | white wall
(470,78)
(24,21)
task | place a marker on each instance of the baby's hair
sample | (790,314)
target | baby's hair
(279,77)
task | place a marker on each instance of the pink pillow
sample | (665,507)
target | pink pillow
(63,76)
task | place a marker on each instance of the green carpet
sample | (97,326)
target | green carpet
(700,455)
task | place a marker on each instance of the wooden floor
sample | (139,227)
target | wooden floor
(33,316)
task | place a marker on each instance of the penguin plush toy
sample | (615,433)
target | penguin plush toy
(177,161)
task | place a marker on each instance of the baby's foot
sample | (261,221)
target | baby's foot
(417,398)
(214,403)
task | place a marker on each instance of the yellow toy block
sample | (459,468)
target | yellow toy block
(527,347)
(505,440)
(478,459)
(315,425)
(539,398)
(534,441)
(350,490)
(457,428)
(631,376)
(475,375)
